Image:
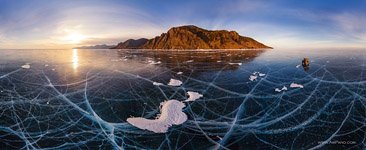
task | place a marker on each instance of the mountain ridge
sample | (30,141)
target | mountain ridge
(193,37)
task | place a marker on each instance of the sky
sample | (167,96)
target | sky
(57,24)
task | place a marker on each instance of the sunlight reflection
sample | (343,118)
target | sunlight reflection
(75,59)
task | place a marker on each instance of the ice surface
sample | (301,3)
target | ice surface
(193,96)
(171,114)
(294,85)
(88,107)
(174,82)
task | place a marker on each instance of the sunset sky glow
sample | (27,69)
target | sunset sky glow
(280,23)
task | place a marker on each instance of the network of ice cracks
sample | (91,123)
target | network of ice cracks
(34,111)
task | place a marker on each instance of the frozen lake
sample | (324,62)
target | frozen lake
(79,99)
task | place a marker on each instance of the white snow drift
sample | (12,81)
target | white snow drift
(174,82)
(171,114)
(26,66)
(294,85)
(193,96)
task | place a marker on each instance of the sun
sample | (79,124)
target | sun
(75,37)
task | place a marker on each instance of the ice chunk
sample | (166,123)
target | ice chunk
(179,72)
(193,96)
(297,66)
(236,64)
(174,82)
(284,88)
(170,114)
(294,85)
(157,83)
(253,77)
(26,66)
(258,73)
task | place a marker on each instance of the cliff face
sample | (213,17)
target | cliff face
(192,37)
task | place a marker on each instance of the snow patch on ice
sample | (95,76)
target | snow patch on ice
(284,88)
(193,96)
(252,78)
(170,114)
(157,83)
(151,62)
(294,85)
(236,64)
(174,82)
(26,66)
(255,75)
(261,74)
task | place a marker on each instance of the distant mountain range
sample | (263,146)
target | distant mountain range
(103,46)
(192,37)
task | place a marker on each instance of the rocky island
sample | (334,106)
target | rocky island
(193,37)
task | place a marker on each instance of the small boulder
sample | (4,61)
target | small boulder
(305,62)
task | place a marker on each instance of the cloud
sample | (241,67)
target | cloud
(55,22)
(352,24)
